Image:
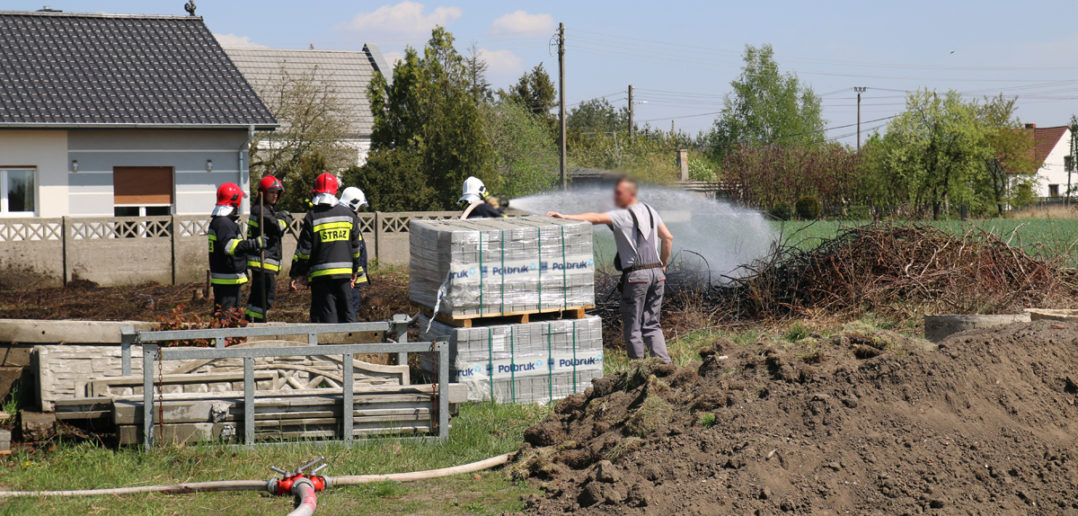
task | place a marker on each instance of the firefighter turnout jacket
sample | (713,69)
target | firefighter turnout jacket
(228,251)
(274,229)
(330,245)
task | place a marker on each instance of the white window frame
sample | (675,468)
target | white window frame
(142,208)
(4,192)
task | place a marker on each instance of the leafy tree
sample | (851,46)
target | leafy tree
(429,112)
(313,123)
(773,175)
(596,116)
(766,106)
(525,155)
(1012,160)
(534,90)
(937,149)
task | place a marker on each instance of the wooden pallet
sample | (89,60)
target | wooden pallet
(469,321)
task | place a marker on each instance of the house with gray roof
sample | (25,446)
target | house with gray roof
(343,73)
(114,115)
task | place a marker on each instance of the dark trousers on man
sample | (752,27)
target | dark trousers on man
(641,305)
(226,298)
(261,282)
(357,299)
(331,300)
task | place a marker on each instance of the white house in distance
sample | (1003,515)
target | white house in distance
(1052,146)
(346,73)
(119,115)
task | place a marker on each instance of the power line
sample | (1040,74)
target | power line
(628,40)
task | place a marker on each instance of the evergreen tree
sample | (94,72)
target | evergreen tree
(430,114)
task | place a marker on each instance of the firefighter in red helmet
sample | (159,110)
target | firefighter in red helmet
(228,250)
(265,221)
(328,254)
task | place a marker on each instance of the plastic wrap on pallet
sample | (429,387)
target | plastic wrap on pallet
(536,362)
(497,266)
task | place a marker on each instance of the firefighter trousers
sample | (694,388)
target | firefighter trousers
(331,301)
(261,282)
(226,298)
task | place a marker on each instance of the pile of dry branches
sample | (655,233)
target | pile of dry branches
(897,269)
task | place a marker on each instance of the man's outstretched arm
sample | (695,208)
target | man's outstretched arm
(594,218)
(667,245)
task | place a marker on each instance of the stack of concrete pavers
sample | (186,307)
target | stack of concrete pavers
(492,267)
(536,362)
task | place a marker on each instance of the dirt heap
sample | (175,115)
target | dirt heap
(861,422)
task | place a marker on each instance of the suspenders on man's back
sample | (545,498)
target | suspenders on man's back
(647,240)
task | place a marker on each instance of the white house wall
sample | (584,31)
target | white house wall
(186,151)
(45,150)
(1054,172)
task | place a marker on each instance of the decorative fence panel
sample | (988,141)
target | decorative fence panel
(168,250)
(31,252)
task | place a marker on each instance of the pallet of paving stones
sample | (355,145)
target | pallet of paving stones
(482,268)
(535,362)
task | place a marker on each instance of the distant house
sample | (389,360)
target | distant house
(346,73)
(113,115)
(1052,145)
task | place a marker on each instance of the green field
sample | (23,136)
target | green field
(1044,238)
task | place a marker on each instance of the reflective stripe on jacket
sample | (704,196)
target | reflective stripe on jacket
(274,231)
(330,245)
(228,251)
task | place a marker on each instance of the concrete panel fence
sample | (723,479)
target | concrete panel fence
(167,250)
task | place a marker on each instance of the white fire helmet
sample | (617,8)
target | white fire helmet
(474,191)
(353,198)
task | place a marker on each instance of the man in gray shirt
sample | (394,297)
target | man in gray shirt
(638,230)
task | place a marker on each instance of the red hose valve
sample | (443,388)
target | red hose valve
(283,486)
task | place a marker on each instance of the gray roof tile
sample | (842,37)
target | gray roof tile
(72,70)
(347,73)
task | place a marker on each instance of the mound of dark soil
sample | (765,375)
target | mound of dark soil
(858,423)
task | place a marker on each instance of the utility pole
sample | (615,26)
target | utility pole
(561,103)
(859,90)
(630,112)
(1073,156)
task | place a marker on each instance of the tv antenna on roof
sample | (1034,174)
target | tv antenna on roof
(190,7)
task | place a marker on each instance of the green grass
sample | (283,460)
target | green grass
(1044,238)
(479,431)
(683,350)
(11,403)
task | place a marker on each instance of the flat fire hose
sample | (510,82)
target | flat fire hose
(257,485)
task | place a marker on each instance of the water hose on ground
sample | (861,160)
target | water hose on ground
(258,485)
(306,499)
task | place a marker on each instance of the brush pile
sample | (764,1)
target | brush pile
(874,267)
(898,271)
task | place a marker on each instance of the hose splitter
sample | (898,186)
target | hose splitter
(301,485)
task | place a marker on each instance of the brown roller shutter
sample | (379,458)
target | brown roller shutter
(142,185)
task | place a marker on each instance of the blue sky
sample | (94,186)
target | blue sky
(681,56)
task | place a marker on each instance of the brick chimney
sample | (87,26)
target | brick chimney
(1031,126)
